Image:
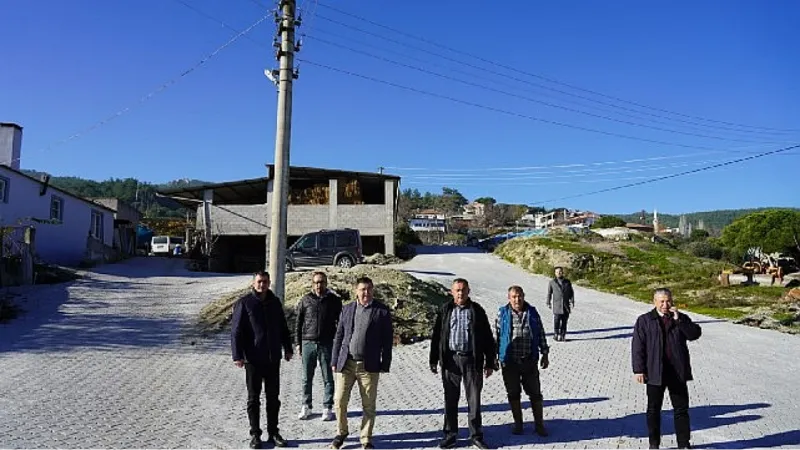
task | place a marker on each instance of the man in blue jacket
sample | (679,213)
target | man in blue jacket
(258,334)
(661,359)
(362,350)
(520,340)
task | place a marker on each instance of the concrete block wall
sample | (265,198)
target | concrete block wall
(233,220)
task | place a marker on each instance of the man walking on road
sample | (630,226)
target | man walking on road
(561,299)
(463,345)
(317,318)
(362,350)
(258,334)
(661,359)
(520,340)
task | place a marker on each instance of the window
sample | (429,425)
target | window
(326,240)
(56,208)
(308,242)
(4,183)
(96,228)
(345,239)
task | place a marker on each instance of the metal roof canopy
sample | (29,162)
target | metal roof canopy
(254,190)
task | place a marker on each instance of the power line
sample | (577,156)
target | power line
(674,175)
(157,91)
(506,112)
(556,166)
(538,76)
(552,174)
(637,115)
(529,99)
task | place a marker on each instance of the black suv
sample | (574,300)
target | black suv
(325,247)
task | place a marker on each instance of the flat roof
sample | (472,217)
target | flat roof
(254,190)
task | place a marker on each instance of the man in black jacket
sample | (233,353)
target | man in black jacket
(463,345)
(258,334)
(661,359)
(317,317)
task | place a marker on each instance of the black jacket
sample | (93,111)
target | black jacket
(259,332)
(483,344)
(317,317)
(647,348)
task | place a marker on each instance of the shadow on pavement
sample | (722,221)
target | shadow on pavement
(53,319)
(631,426)
(497,407)
(428,272)
(444,250)
(771,440)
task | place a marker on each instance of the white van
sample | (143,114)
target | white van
(164,245)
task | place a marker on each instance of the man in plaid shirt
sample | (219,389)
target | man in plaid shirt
(520,341)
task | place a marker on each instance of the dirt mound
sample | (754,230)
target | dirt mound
(413,301)
(380,259)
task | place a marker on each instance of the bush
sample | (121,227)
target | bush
(704,249)
(699,235)
(608,222)
(455,238)
(404,235)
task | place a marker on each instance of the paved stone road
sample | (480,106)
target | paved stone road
(106,362)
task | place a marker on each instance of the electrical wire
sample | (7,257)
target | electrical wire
(532,100)
(534,75)
(674,175)
(155,92)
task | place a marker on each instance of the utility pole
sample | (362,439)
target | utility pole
(286,46)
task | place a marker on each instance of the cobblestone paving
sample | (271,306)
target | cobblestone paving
(107,362)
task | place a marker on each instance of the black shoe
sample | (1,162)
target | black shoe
(255,442)
(686,445)
(368,445)
(338,441)
(277,440)
(448,441)
(478,442)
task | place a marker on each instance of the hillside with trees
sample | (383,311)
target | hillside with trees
(139,194)
(712,220)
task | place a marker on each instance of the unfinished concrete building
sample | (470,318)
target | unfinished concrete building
(236,216)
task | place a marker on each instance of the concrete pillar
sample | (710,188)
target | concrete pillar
(208,199)
(268,220)
(388,237)
(333,203)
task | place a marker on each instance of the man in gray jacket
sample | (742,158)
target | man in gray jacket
(317,318)
(561,299)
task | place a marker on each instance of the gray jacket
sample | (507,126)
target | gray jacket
(560,299)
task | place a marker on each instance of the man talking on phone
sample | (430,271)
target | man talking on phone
(661,360)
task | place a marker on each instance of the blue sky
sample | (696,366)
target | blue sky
(70,65)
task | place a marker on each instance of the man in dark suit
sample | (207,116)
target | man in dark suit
(258,334)
(661,359)
(561,299)
(463,345)
(362,350)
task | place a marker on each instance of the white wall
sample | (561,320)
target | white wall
(63,243)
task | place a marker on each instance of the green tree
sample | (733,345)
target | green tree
(487,201)
(699,235)
(608,222)
(451,201)
(776,230)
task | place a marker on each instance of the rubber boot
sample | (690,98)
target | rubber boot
(538,418)
(516,413)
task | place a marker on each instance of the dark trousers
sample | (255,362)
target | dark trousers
(455,370)
(313,352)
(519,376)
(679,396)
(269,376)
(560,324)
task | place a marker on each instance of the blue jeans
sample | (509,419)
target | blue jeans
(314,352)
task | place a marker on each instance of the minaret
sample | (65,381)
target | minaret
(655,221)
